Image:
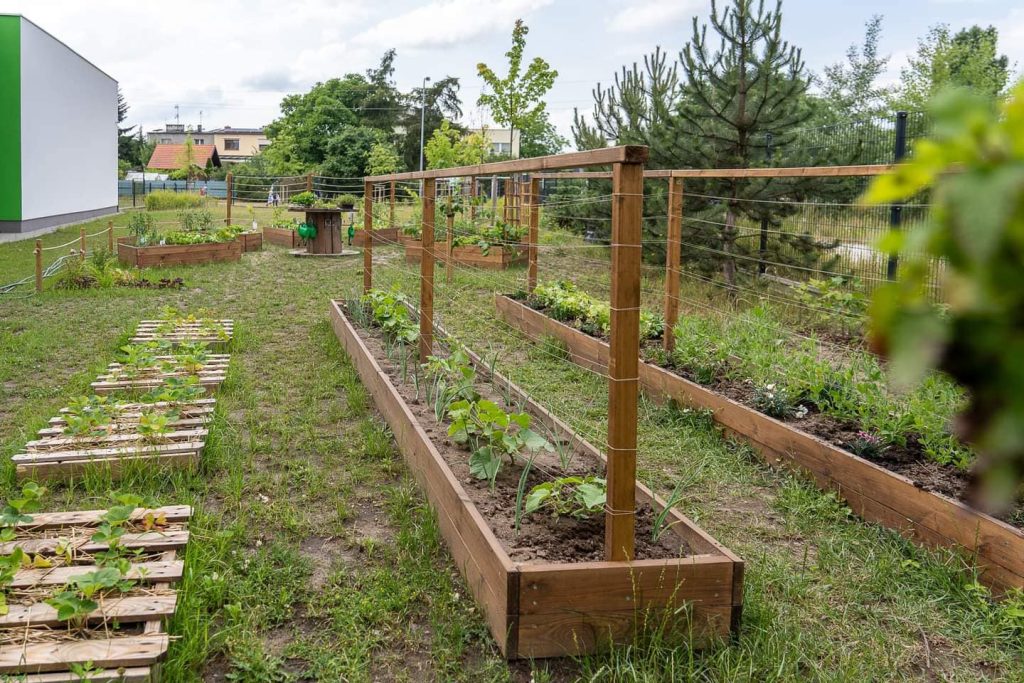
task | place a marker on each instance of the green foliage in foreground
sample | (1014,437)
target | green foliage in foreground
(974,167)
(168,199)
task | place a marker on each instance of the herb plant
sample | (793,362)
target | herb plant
(492,433)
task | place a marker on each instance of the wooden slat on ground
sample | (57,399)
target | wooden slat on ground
(125,635)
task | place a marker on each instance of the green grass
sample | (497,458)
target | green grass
(314,556)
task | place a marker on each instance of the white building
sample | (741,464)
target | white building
(499,140)
(58,119)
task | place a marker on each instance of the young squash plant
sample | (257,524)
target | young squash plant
(492,434)
(578,497)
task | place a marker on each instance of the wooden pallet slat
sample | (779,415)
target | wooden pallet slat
(143,572)
(123,610)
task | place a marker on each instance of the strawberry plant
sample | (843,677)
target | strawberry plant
(192,356)
(578,497)
(18,510)
(491,433)
(88,416)
(155,424)
(176,390)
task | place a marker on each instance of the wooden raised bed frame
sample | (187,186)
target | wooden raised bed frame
(549,610)
(131,657)
(282,237)
(496,258)
(385,236)
(873,492)
(176,254)
(251,241)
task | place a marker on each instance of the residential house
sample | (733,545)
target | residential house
(169,157)
(498,138)
(176,133)
(238,144)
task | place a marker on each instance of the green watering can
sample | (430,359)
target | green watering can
(307,231)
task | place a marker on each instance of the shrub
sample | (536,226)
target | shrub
(168,199)
(141,226)
(195,220)
(304,199)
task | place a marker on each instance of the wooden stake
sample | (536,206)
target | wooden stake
(472,198)
(39,265)
(674,237)
(427,272)
(450,227)
(309,182)
(534,239)
(81,244)
(623,363)
(110,236)
(230,196)
(391,218)
(368,236)
(494,199)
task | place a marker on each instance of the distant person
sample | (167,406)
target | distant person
(202,191)
(270,196)
(277,199)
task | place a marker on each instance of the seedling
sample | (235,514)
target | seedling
(659,527)
(176,390)
(88,416)
(154,424)
(578,497)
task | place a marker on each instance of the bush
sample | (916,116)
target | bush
(195,220)
(141,226)
(303,199)
(168,199)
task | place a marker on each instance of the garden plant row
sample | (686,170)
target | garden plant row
(86,595)
(848,457)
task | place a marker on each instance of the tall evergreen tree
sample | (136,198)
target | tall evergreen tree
(732,96)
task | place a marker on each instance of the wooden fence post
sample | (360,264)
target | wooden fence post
(672,247)
(110,236)
(449,239)
(391,218)
(472,198)
(534,239)
(367,237)
(81,244)
(309,182)
(623,360)
(39,265)
(230,196)
(494,199)
(427,272)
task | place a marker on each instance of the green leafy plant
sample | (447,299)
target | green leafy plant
(192,356)
(303,199)
(176,390)
(866,445)
(450,379)
(159,200)
(347,200)
(391,315)
(566,302)
(154,425)
(492,433)
(142,226)
(196,220)
(973,166)
(18,510)
(775,401)
(578,497)
(88,415)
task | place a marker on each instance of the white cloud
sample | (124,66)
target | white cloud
(444,23)
(646,15)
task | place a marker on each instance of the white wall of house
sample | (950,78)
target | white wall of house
(68,129)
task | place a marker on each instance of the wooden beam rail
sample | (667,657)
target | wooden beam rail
(793,172)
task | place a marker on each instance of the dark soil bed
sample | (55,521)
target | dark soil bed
(909,460)
(541,538)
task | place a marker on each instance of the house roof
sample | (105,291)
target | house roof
(168,157)
(228,130)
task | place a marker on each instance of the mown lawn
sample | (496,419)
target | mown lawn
(314,557)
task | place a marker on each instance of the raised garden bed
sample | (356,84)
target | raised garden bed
(873,492)
(117,379)
(282,237)
(251,241)
(57,454)
(496,258)
(212,332)
(176,254)
(380,236)
(124,638)
(547,593)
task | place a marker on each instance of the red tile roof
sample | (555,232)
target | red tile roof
(168,157)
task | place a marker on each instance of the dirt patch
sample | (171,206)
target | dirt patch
(542,538)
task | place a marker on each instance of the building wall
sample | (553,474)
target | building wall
(68,130)
(10,118)
(248,144)
(499,139)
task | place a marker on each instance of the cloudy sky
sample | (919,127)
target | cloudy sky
(234,59)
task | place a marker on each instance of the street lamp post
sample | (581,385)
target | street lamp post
(423,112)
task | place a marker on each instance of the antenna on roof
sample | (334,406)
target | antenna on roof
(176,120)
(200,120)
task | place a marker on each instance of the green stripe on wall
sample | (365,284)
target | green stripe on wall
(10,118)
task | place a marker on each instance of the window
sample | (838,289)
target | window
(231,144)
(165,141)
(264,145)
(199,141)
(502,148)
